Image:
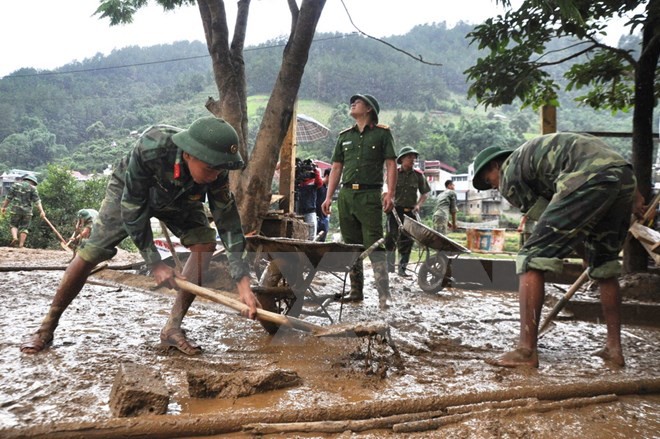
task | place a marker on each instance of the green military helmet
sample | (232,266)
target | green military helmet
(406,150)
(87,214)
(482,159)
(370,100)
(213,141)
(31,178)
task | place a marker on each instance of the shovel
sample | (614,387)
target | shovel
(342,330)
(63,243)
(562,302)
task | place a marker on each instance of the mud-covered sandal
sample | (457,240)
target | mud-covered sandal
(176,338)
(36,343)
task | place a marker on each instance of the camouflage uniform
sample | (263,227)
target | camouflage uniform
(144,185)
(577,189)
(359,202)
(85,221)
(22,196)
(408,184)
(444,209)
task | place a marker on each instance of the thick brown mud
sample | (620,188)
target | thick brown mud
(443,340)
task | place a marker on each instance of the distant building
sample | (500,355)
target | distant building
(486,205)
(9,178)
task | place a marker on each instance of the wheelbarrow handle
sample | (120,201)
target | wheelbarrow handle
(395,213)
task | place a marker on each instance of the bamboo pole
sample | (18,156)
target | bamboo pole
(231,421)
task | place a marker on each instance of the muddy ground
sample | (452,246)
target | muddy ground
(442,338)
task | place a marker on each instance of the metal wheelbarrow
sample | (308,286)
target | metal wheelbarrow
(434,269)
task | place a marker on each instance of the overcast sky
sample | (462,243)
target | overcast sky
(46,34)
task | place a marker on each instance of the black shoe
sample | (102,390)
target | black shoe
(403,273)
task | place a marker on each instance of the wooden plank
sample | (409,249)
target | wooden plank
(646,235)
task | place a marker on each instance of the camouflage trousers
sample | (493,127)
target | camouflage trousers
(20,221)
(597,213)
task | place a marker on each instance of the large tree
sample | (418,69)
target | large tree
(252,186)
(614,78)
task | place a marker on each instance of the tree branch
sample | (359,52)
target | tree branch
(416,58)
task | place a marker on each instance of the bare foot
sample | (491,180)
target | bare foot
(516,358)
(37,342)
(613,356)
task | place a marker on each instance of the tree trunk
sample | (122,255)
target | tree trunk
(253,188)
(635,257)
(228,64)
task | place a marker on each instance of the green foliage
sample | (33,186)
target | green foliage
(87,120)
(62,196)
(525,46)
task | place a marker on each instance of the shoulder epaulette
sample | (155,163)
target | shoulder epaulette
(419,171)
(347,129)
(383,126)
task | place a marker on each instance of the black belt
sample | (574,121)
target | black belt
(358,186)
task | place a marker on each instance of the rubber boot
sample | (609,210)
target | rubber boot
(403,263)
(391,261)
(357,284)
(382,284)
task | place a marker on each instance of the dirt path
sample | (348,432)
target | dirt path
(443,339)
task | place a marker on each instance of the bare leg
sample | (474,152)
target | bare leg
(172,334)
(14,236)
(72,282)
(611,302)
(530,295)
(21,240)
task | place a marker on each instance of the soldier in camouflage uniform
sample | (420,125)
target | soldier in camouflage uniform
(358,160)
(23,195)
(409,182)
(83,228)
(167,175)
(445,208)
(576,189)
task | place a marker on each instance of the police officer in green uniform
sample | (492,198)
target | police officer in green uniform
(409,182)
(23,195)
(358,159)
(167,175)
(577,190)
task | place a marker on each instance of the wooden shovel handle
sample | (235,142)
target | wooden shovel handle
(55,230)
(562,302)
(239,306)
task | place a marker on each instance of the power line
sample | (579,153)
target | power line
(123,66)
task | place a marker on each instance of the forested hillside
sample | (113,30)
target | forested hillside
(86,114)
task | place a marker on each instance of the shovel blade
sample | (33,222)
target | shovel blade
(366,329)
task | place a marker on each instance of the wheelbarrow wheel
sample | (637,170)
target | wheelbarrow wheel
(432,273)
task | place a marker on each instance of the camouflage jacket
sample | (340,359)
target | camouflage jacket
(150,187)
(553,165)
(22,196)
